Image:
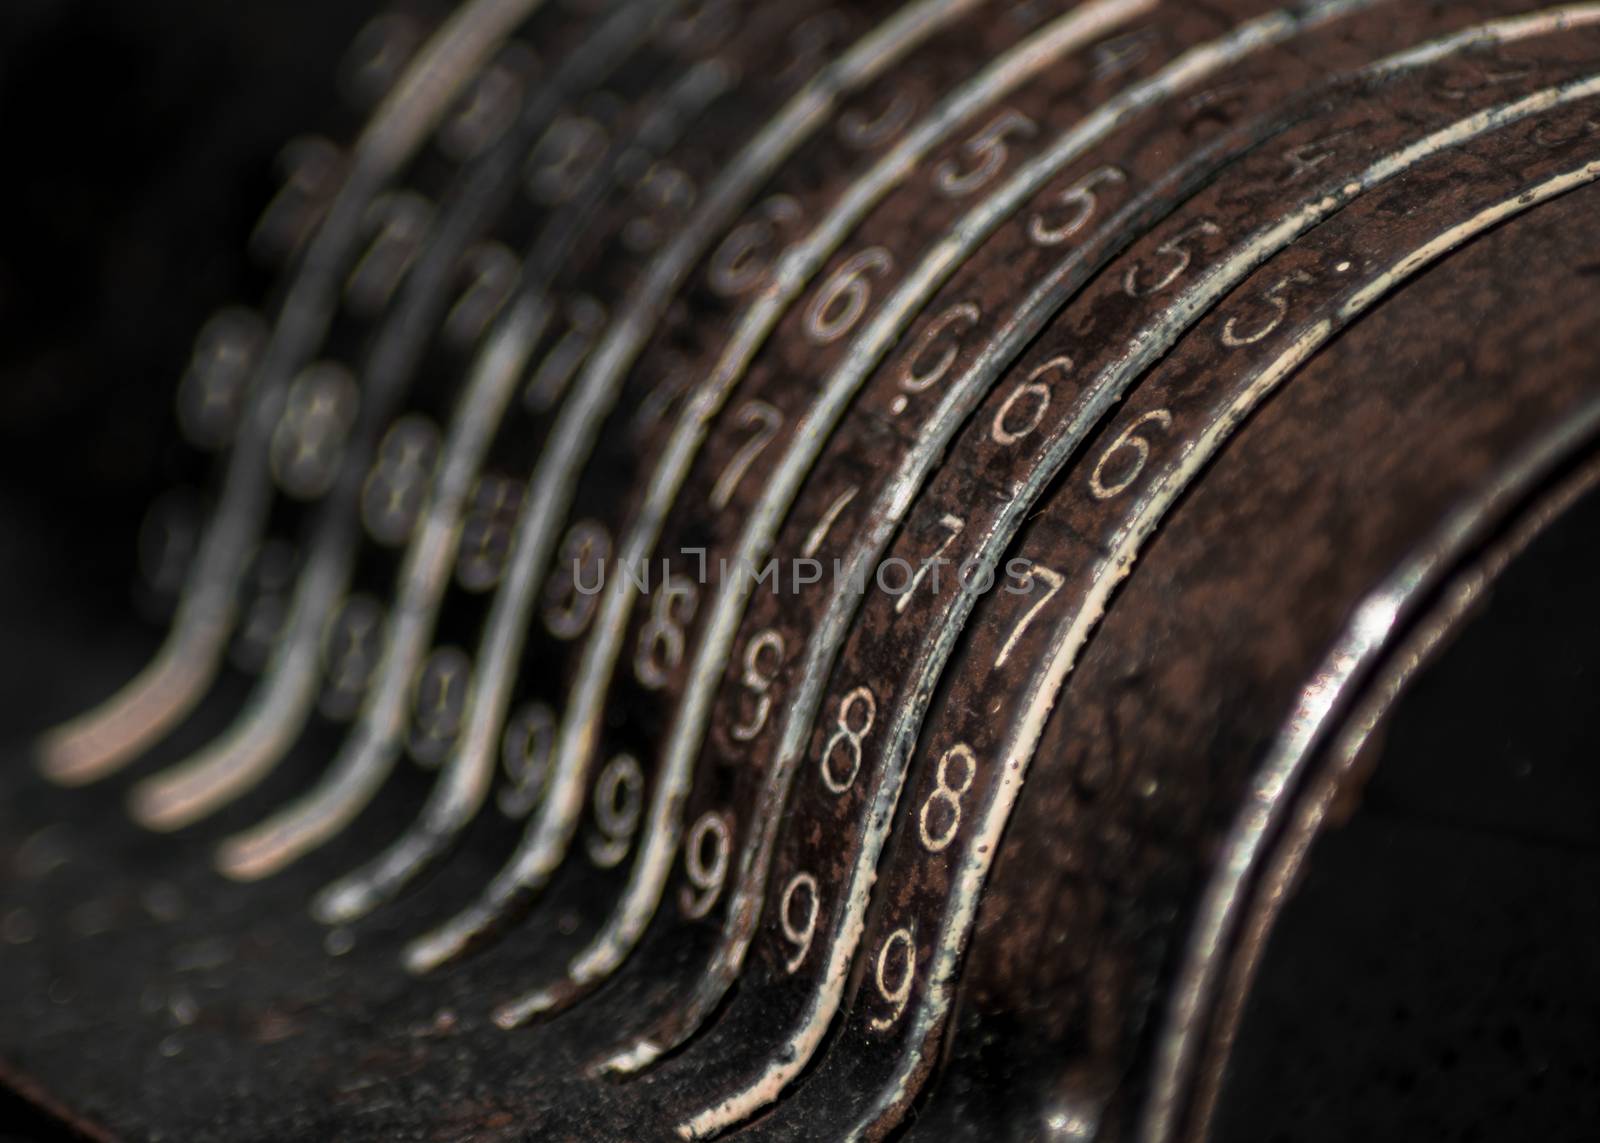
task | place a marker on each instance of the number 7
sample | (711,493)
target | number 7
(1055,579)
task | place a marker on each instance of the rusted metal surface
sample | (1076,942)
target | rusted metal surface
(831,591)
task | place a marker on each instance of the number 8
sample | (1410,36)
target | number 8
(849,737)
(946,794)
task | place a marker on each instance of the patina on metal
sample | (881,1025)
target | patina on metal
(827,572)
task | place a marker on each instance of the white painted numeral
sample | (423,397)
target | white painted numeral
(987,151)
(758,681)
(1140,448)
(940,819)
(953,525)
(575,584)
(525,747)
(848,738)
(801,934)
(1023,410)
(843,298)
(1276,297)
(395,490)
(1054,580)
(662,639)
(898,994)
(1079,201)
(1177,251)
(766,421)
(618,805)
(308,440)
(707,873)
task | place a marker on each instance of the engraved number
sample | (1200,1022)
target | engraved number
(312,168)
(393,493)
(308,441)
(1129,440)
(746,255)
(168,539)
(843,298)
(585,319)
(901,946)
(1079,202)
(862,132)
(824,525)
(580,571)
(525,756)
(953,525)
(666,193)
(1024,408)
(382,47)
(211,394)
(800,934)
(940,819)
(707,872)
(491,271)
(1054,580)
(564,158)
(915,380)
(857,706)
(439,703)
(486,531)
(662,639)
(759,680)
(1177,251)
(483,115)
(351,646)
(618,805)
(398,222)
(1277,302)
(987,151)
(766,421)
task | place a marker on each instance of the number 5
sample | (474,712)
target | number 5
(988,149)
(1175,249)
(1276,301)
(1081,203)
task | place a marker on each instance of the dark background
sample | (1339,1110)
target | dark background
(140,141)
(139,145)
